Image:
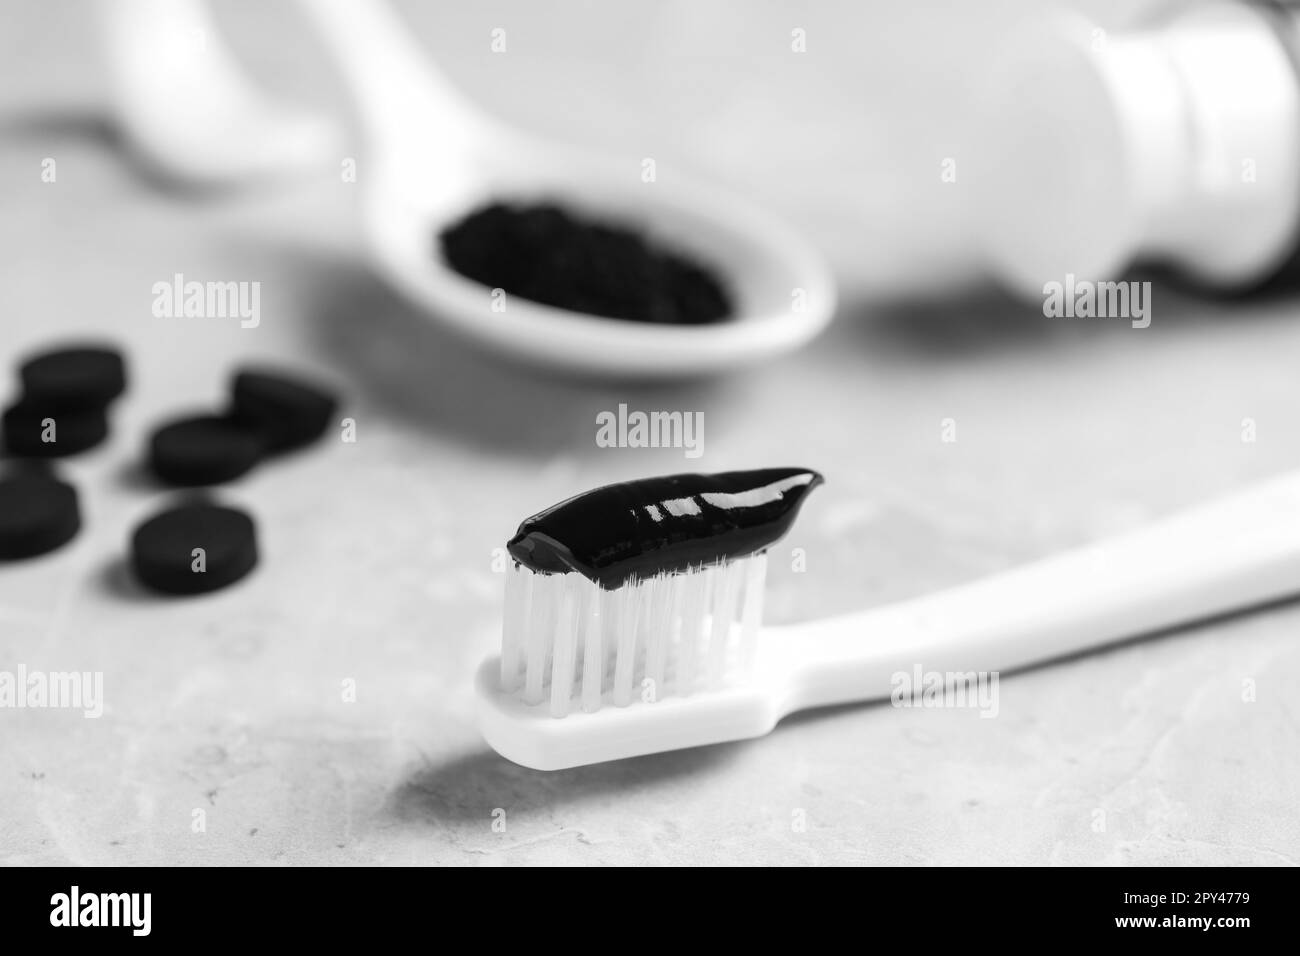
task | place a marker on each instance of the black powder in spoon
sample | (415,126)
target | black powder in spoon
(547,255)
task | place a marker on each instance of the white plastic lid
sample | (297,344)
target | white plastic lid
(1177,143)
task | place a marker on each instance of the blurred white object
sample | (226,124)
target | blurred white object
(433,156)
(187,109)
(1176,143)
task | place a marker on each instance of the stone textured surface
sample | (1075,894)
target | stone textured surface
(377,555)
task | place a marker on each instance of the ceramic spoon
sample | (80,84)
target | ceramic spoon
(433,156)
(186,107)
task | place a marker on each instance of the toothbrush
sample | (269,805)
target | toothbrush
(596,666)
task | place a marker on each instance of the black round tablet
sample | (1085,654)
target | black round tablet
(204,450)
(74,377)
(38,513)
(37,429)
(194,548)
(290,410)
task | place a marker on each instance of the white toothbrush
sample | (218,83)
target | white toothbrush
(588,676)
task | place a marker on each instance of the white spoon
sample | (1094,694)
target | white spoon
(187,109)
(433,157)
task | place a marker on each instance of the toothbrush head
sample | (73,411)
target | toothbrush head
(632,618)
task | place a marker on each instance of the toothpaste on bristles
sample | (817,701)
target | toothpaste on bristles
(644,589)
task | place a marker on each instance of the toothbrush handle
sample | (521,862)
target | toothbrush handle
(1231,554)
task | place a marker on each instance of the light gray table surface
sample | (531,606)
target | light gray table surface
(377,555)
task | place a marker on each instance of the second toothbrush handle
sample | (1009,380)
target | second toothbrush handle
(1232,554)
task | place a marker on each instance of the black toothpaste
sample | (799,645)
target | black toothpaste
(637,529)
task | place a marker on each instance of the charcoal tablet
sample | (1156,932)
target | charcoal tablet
(30,422)
(75,377)
(38,513)
(291,411)
(204,450)
(194,548)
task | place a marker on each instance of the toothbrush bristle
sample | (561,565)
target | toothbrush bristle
(573,645)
